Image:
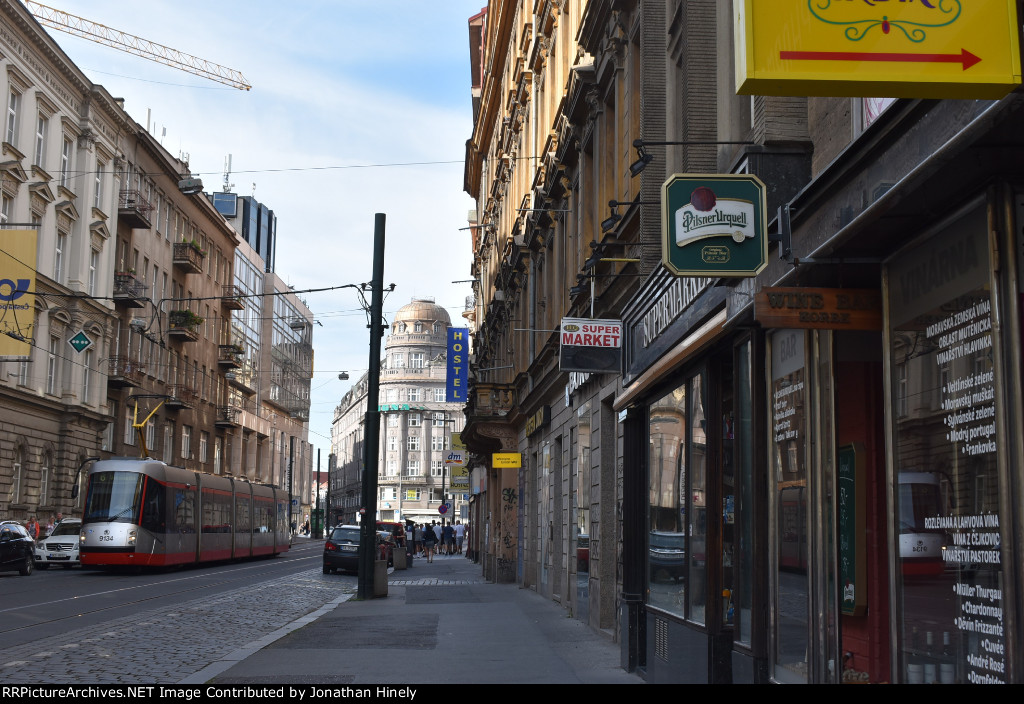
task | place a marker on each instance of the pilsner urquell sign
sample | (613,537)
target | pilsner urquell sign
(714,225)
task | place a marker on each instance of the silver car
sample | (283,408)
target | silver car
(60,547)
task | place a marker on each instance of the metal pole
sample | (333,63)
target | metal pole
(318,532)
(371,449)
(291,475)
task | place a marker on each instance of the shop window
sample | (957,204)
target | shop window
(949,574)
(677,514)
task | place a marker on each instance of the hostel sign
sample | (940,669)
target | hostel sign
(714,225)
(878,48)
(458,369)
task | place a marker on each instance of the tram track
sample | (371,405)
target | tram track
(52,612)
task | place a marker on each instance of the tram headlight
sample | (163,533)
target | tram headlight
(132,535)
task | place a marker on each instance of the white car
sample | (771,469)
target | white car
(60,547)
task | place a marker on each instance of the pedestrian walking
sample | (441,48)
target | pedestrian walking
(428,543)
(460,534)
(33,527)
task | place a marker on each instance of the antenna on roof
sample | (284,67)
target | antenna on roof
(227,174)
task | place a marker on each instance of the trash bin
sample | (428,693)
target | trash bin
(399,558)
(380,578)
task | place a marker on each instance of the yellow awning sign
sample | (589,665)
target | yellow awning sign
(17,289)
(878,48)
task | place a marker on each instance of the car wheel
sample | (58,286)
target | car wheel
(27,568)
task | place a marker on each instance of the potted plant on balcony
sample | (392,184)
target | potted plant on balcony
(185,319)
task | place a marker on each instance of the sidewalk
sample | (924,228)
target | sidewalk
(440,623)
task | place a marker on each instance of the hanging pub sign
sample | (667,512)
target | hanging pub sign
(714,225)
(878,48)
(820,308)
(590,345)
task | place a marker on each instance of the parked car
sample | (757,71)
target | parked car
(60,547)
(16,548)
(666,555)
(341,551)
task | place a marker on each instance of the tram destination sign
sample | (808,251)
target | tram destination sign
(714,225)
(878,48)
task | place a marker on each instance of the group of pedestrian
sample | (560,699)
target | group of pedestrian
(440,539)
(36,530)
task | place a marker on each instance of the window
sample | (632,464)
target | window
(51,365)
(393,441)
(417,326)
(87,375)
(204,446)
(13,102)
(392,420)
(415,395)
(169,443)
(413,443)
(98,197)
(392,468)
(150,437)
(397,360)
(129,431)
(40,154)
(437,443)
(439,420)
(436,468)
(94,262)
(6,204)
(15,494)
(65,161)
(413,468)
(44,480)
(186,442)
(58,257)
(439,395)
(23,372)
(415,420)
(416,360)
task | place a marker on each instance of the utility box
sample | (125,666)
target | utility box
(399,558)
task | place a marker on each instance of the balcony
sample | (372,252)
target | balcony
(244,379)
(133,209)
(189,257)
(181,396)
(228,417)
(492,400)
(129,290)
(231,298)
(124,372)
(230,356)
(184,325)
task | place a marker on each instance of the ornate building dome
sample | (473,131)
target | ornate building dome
(423,315)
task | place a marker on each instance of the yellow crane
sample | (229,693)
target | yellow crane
(101,34)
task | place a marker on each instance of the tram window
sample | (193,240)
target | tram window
(153,518)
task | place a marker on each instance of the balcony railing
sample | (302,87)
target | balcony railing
(124,372)
(230,356)
(181,396)
(231,298)
(133,209)
(184,325)
(228,417)
(189,258)
(129,290)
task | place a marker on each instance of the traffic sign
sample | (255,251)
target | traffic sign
(80,342)
(443,508)
(924,49)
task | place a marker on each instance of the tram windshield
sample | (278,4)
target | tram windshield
(113,496)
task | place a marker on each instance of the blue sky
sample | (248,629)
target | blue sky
(339,89)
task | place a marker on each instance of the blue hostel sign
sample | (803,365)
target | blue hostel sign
(458,367)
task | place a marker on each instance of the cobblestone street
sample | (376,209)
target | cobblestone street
(167,645)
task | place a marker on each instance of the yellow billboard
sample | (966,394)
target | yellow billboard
(17,289)
(878,48)
(506,460)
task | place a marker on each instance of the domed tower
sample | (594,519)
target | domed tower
(416,420)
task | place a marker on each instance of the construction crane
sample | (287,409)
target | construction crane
(101,34)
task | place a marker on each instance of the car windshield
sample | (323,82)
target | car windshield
(348,534)
(66,529)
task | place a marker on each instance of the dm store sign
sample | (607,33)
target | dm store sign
(714,225)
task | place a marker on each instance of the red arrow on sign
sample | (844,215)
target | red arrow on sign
(966,58)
